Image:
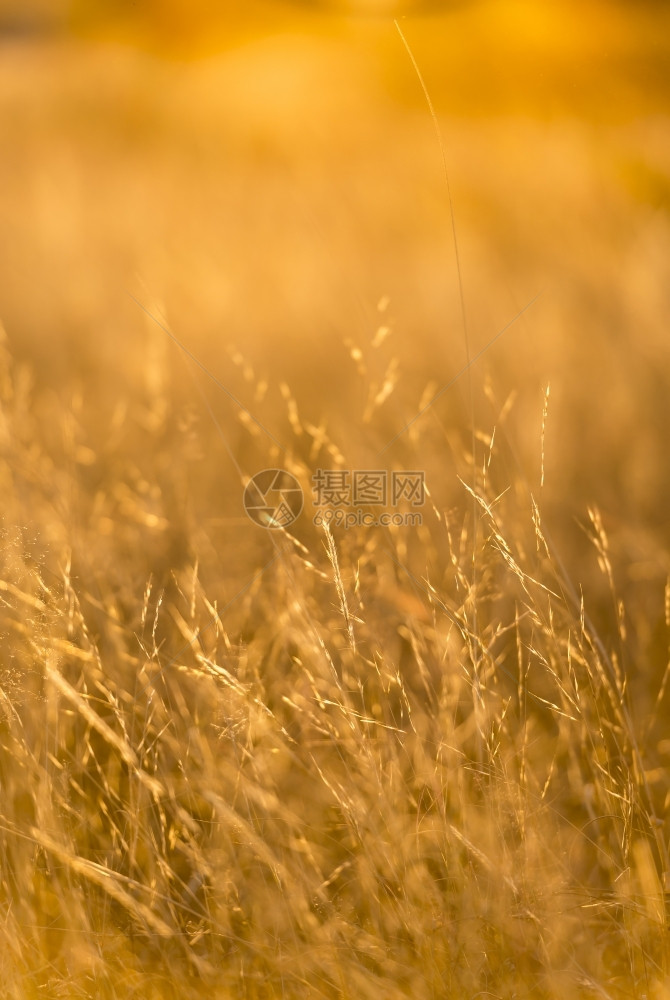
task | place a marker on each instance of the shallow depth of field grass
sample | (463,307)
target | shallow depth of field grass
(426,762)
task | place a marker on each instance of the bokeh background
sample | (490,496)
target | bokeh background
(265,178)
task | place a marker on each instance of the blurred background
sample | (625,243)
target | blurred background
(263,181)
(265,178)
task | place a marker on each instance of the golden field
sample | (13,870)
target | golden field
(424,761)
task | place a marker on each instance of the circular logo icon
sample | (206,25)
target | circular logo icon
(273,498)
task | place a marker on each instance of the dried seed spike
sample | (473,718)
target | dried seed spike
(339,584)
(545,408)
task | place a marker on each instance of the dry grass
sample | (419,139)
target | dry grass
(426,762)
